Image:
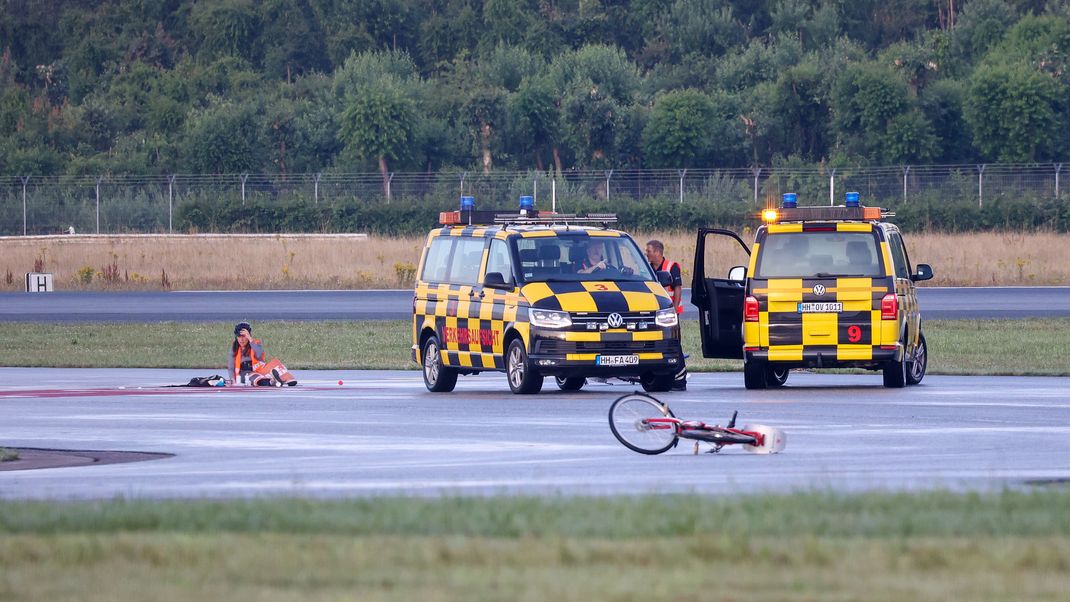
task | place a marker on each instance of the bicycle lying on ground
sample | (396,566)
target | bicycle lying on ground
(645,425)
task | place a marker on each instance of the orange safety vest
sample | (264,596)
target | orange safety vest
(256,362)
(666,266)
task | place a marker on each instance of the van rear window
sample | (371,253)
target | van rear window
(818,254)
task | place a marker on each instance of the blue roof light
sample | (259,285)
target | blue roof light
(852,199)
(790,200)
(468,203)
(527,203)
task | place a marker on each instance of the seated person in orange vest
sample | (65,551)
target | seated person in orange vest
(246,365)
(655,254)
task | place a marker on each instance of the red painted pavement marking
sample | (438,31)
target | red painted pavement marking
(116,392)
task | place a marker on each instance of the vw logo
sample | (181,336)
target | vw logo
(819,289)
(615,320)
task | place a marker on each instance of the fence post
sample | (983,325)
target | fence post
(464,174)
(609,174)
(832,186)
(389,179)
(757,172)
(980,186)
(170,201)
(26,179)
(553,193)
(535,190)
(682,174)
(1058,167)
(99,179)
(244,177)
(906,170)
(316,189)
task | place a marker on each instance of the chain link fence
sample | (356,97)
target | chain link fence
(117,204)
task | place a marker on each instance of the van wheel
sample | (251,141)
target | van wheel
(776,376)
(523,378)
(916,366)
(657,383)
(571,383)
(754,375)
(437,378)
(895,373)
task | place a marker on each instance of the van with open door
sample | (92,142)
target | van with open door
(822,287)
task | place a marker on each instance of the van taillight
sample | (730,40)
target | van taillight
(750,310)
(890,307)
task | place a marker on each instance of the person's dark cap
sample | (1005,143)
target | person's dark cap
(240,326)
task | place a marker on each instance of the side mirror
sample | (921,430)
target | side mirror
(925,272)
(665,278)
(738,273)
(496,280)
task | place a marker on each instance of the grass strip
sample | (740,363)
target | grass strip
(1025,513)
(8,455)
(994,347)
(1005,545)
(331,567)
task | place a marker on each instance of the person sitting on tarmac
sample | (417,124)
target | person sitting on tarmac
(247,364)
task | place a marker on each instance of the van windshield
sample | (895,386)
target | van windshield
(818,254)
(581,258)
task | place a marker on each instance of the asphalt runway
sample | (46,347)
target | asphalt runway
(382,433)
(198,306)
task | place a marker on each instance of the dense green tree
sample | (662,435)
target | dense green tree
(224,137)
(942,103)
(226,28)
(536,121)
(682,131)
(378,123)
(1017,113)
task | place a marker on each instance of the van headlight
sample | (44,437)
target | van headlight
(667,317)
(544,318)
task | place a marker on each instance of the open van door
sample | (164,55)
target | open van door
(718,297)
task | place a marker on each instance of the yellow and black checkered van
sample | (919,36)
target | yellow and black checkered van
(536,298)
(825,287)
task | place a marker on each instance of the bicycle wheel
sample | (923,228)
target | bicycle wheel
(627,420)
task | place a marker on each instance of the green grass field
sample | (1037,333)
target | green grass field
(1010,347)
(1000,546)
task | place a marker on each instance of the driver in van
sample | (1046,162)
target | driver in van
(595,259)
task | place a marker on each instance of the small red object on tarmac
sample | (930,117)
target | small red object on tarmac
(339,382)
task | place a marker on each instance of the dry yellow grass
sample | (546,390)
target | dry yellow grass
(192,262)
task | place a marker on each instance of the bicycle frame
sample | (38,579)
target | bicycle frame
(700,431)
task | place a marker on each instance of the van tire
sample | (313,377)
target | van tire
(754,376)
(570,383)
(657,383)
(919,363)
(523,378)
(776,376)
(895,373)
(437,377)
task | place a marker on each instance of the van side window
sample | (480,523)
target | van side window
(437,260)
(467,257)
(499,260)
(899,257)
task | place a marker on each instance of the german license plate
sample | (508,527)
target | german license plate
(820,308)
(617,360)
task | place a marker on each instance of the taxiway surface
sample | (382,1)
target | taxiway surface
(382,433)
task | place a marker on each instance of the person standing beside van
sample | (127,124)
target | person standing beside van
(655,254)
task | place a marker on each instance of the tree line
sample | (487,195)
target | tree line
(288,86)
